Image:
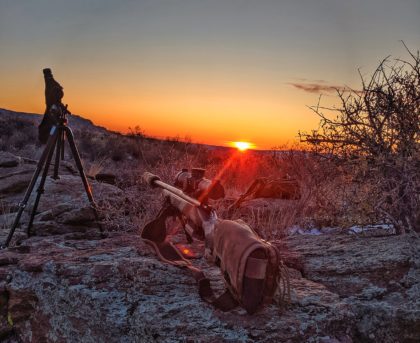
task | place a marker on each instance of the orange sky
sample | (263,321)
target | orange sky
(214,112)
(215,71)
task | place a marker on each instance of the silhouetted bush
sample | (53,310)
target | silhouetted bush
(375,136)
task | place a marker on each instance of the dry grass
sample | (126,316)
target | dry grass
(329,197)
(95,167)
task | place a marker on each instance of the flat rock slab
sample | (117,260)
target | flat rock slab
(379,277)
(114,290)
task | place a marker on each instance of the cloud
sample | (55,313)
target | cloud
(319,87)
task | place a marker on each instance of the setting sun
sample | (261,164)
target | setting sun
(242,146)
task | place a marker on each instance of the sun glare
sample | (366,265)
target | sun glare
(242,146)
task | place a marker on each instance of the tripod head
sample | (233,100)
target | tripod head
(59,114)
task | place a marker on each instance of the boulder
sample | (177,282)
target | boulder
(106,177)
(63,207)
(8,160)
(285,188)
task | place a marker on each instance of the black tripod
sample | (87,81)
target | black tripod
(56,140)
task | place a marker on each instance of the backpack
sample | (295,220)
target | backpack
(251,266)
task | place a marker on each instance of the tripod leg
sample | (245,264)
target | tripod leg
(79,165)
(40,189)
(57,153)
(50,144)
(63,136)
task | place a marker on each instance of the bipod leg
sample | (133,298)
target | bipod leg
(79,165)
(57,153)
(50,144)
(184,227)
(258,183)
(41,189)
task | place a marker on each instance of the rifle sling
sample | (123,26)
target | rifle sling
(169,253)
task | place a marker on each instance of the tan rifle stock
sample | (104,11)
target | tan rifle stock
(197,213)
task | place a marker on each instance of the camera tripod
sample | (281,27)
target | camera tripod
(59,131)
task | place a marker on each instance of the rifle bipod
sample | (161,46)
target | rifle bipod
(55,142)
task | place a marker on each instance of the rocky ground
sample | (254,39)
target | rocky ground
(69,283)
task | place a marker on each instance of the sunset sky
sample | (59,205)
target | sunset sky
(215,70)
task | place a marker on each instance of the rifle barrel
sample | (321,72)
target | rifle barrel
(155,181)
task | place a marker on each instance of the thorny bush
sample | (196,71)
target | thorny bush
(375,136)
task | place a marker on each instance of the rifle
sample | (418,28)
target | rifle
(251,267)
(197,218)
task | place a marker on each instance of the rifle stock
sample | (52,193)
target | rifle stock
(186,208)
(197,215)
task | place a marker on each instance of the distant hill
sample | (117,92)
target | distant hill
(75,121)
(16,121)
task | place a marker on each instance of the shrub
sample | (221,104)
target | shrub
(375,134)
